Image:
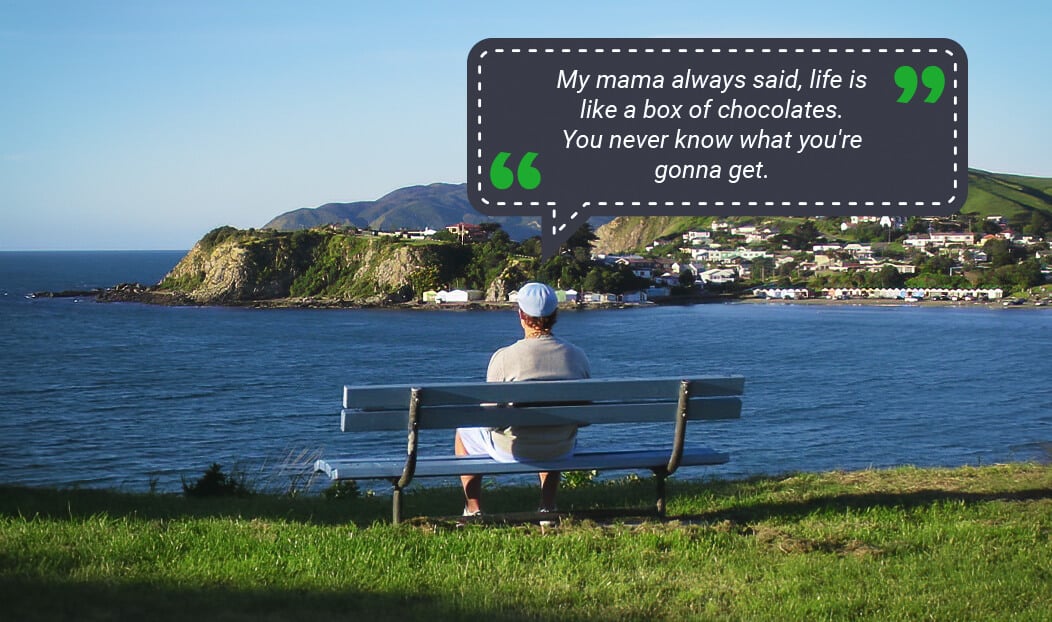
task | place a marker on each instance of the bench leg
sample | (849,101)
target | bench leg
(396,505)
(660,475)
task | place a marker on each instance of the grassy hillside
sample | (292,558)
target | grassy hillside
(1013,196)
(899,544)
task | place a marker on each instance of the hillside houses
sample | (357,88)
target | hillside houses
(940,240)
(892,254)
(726,253)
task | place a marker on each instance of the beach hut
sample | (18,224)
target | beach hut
(430,296)
(463,295)
(571,295)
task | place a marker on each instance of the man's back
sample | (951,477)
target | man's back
(537,358)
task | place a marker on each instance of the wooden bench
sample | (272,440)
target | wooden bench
(581,402)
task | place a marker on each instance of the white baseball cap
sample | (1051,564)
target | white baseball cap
(537,300)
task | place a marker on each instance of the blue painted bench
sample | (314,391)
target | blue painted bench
(415,408)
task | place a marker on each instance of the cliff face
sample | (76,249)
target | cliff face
(231,266)
(630,233)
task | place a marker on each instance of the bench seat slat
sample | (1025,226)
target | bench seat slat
(710,408)
(383,397)
(451,466)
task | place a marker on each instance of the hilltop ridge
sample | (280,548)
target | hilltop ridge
(414,207)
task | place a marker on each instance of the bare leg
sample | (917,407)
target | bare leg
(472,484)
(549,488)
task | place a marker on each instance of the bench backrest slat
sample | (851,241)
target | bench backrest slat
(585,414)
(396,397)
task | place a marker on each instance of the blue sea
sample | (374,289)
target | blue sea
(137,397)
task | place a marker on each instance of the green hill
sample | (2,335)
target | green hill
(1015,197)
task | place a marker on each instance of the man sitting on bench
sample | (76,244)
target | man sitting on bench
(539,355)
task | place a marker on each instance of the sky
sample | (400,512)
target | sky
(143,125)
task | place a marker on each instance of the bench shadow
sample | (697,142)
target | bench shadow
(794,510)
(44,598)
(78,504)
(431,504)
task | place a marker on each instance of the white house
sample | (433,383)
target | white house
(697,237)
(917,241)
(678,268)
(945,238)
(422,234)
(459,295)
(643,268)
(859,250)
(718,276)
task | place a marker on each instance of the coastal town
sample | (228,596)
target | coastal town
(952,259)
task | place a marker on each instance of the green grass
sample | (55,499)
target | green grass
(899,544)
(1011,196)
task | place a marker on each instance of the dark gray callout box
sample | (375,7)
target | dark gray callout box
(567,128)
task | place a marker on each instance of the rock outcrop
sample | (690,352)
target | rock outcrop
(229,266)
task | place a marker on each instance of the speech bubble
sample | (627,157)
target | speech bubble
(568,128)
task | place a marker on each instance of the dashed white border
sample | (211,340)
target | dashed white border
(733,50)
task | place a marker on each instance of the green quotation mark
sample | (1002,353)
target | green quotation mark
(932,77)
(502,177)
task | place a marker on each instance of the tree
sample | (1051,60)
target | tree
(1017,276)
(803,236)
(593,281)
(1040,224)
(998,252)
(869,232)
(445,236)
(916,225)
(531,247)
(580,243)
(989,227)
(937,264)
(762,268)
(786,269)
(888,276)
(930,281)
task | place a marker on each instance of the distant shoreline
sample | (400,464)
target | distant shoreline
(136,293)
(887,302)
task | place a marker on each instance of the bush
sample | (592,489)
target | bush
(217,236)
(579,479)
(341,490)
(216,483)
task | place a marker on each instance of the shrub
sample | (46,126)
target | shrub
(579,479)
(216,483)
(342,489)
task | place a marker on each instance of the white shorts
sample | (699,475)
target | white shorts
(479,442)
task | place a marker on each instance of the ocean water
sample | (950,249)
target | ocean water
(132,396)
